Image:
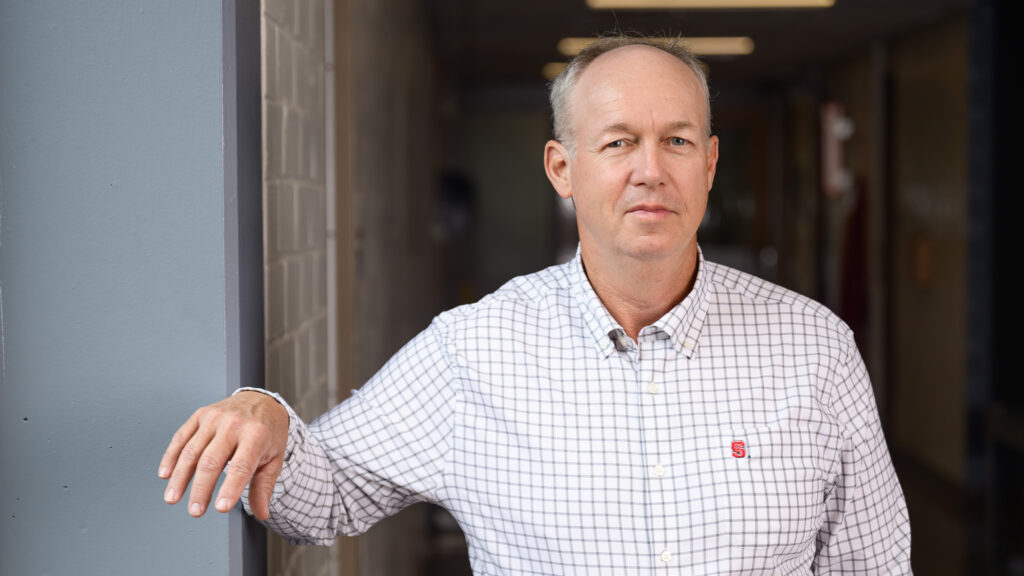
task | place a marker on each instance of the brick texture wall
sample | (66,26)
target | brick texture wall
(386,177)
(294,196)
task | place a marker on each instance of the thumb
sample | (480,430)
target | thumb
(261,488)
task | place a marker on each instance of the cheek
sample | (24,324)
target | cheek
(592,190)
(598,190)
(698,200)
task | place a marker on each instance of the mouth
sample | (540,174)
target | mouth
(650,211)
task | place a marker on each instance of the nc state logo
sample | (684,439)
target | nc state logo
(739,449)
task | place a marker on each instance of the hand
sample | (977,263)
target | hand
(251,430)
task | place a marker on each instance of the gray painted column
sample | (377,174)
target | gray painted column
(115,310)
(243,241)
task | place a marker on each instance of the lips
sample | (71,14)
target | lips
(650,209)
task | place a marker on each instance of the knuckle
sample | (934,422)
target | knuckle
(208,463)
(189,453)
(181,436)
(257,431)
(241,467)
(210,413)
(231,420)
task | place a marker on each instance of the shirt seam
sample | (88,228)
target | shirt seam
(447,348)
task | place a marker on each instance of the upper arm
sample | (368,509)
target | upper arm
(375,453)
(867,528)
(392,438)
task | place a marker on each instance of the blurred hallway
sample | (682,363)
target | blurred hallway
(861,164)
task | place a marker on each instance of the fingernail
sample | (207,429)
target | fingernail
(196,509)
(223,505)
(170,496)
(164,472)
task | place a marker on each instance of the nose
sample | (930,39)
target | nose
(647,166)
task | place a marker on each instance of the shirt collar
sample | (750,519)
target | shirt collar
(682,324)
(597,320)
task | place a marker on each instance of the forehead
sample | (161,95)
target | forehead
(638,83)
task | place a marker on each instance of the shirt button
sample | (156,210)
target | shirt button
(652,388)
(659,470)
(666,556)
(689,344)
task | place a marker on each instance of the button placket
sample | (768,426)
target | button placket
(653,348)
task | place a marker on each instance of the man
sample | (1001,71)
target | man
(637,409)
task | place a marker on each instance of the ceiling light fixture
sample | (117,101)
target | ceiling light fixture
(705,4)
(701,46)
(552,69)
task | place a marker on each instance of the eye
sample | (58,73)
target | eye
(616,144)
(677,141)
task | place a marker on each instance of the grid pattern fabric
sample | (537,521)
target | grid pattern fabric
(736,435)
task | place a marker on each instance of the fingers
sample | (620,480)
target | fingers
(184,452)
(188,461)
(198,452)
(246,460)
(183,435)
(208,467)
(262,488)
(250,430)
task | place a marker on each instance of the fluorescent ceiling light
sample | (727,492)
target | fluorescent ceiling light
(701,46)
(552,69)
(704,4)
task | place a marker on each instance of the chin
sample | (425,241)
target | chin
(655,250)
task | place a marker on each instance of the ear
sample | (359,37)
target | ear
(557,166)
(712,160)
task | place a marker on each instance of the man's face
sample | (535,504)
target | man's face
(643,164)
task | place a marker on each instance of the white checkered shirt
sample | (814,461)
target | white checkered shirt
(737,435)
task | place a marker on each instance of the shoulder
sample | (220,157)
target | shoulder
(734,292)
(522,301)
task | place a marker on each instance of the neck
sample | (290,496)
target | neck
(639,292)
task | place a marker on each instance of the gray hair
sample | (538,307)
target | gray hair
(563,85)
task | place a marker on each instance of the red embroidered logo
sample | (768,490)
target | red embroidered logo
(739,449)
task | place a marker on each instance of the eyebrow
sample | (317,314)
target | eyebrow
(623,127)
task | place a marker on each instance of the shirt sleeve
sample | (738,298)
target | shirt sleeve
(372,455)
(867,530)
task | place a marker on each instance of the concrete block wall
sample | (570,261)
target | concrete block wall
(294,196)
(392,137)
(386,177)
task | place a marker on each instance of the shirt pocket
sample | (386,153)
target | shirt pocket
(767,486)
